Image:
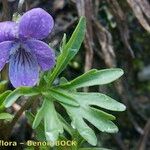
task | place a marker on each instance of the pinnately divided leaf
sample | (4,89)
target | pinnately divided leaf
(86,111)
(94,77)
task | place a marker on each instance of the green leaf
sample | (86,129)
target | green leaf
(99,99)
(63,80)
(52,124)
(5,116)
(2,99)
(94,99)
(86,111)
(3,96)
(66,125)
(40,128)
(70,49)
(39,116)
(63,43)
(61,97)
(52,121)
(94,77)
(21,91)
(85,131)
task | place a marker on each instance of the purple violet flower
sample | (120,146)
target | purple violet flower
(20,45)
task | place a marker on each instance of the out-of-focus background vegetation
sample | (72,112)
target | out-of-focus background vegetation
(118,35)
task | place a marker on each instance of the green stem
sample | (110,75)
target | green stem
(52,77)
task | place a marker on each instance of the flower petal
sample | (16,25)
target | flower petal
(5,48)
(45,55)
(8,31)
(23,69)
(36,23)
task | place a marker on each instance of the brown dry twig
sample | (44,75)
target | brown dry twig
(141,9)
(6,11)
(121,20)
(144,138)
(85,8)
(105,40)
